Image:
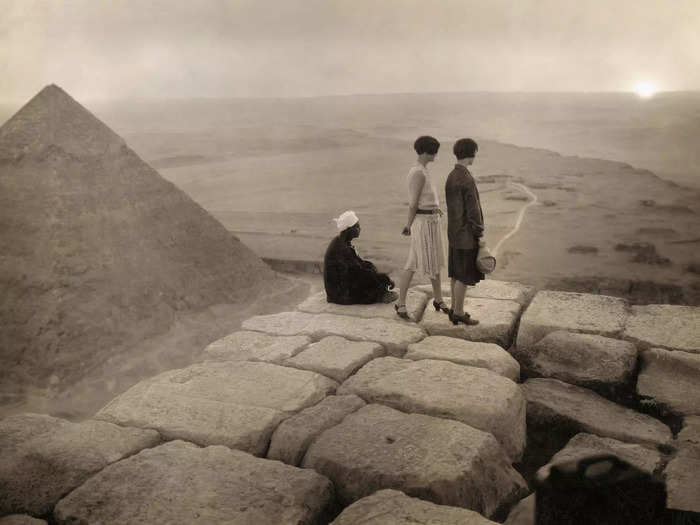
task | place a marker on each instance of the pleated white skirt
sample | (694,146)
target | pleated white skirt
(426,253)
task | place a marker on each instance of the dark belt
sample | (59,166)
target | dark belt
(428,212)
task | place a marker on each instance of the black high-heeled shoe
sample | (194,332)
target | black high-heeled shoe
(403,314)
(440,306)
(464,319)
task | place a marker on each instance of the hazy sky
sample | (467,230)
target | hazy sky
(231,48)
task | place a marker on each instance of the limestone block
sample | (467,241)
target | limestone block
(665,326)
(480,355)
(21,519)
(574,312)
(317,304)
(553,404)
(254,346)
(683,482)
(580,359)
(488,289)
(475,396)
(583,445)
(496,317)
(291,439)
(435,459)
(395,336)
(688,438)
(336,357)
(671,378)
(43,457)
(392,507)
(523,513)
(179,482)
(232,403)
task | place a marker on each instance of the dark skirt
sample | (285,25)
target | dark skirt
(461,265)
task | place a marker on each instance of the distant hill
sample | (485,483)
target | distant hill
(97,251)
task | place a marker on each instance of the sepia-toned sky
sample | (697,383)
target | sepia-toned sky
(239,48)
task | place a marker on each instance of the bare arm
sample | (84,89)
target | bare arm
(415,187)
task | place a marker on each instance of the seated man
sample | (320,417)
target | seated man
(348,278)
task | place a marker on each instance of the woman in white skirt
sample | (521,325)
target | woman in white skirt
(423,226)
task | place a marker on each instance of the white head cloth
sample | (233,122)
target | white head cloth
(346,219)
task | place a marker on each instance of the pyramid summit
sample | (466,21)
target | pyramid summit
(99,253)
(54,119)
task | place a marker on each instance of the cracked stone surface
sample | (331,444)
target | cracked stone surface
(665,326)
(395,336)
(475,396)
(179,482)
(439,460)
(317,304)
(336,357)
(551,311)
(42,457)
(255,346)
(234,403)
(294,435)
(671,378)
(555,405)
(393,507)
(496,318)
(481,355)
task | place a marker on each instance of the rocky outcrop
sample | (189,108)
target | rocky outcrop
(181,483)
(475,396)
(294,435)
(393,505)
(557,407)
(237,404)
(497,319)
(665,326)
(672,379)
(480,355)
(395,336)
(592,361)
(254,346)
(551,311)
(317,304)
(439,460)
(336,357)
(43,457)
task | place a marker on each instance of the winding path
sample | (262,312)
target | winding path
(521,215)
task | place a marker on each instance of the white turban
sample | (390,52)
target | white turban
(346,219)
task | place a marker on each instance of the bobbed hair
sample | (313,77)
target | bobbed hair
(426,144)
(465,148)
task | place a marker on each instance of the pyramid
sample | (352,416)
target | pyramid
(97,251)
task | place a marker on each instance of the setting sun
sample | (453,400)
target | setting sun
(645,89)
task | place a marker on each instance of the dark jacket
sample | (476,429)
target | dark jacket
(465,220)
(348,278)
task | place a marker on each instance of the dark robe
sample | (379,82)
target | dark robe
(348,278)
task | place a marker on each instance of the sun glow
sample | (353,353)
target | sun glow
(645,89)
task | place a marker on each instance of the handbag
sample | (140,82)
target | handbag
(485,261)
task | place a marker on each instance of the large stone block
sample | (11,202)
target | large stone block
(21,519)
(489,289)
(475,396)
(395,336)
(665,326)
(294,435)
(523,513)
(555,405)
(234,403)
(392,507)
(496,317)
(681,473)
(439,460)
(671,378)
(336,357)
(574,312)
(42,458)
(317,304)
(587,360)
(181,483)
(255,346)
(584,445)
(480,355)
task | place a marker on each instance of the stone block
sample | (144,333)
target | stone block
(671,378)
(317,304)
(666,326)
(489,289)
(255,346)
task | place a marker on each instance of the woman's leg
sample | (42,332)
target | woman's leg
(458,294)
(437,288)
(404,283)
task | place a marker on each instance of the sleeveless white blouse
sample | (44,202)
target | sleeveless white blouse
(428,197)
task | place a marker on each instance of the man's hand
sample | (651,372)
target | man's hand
(406,231)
